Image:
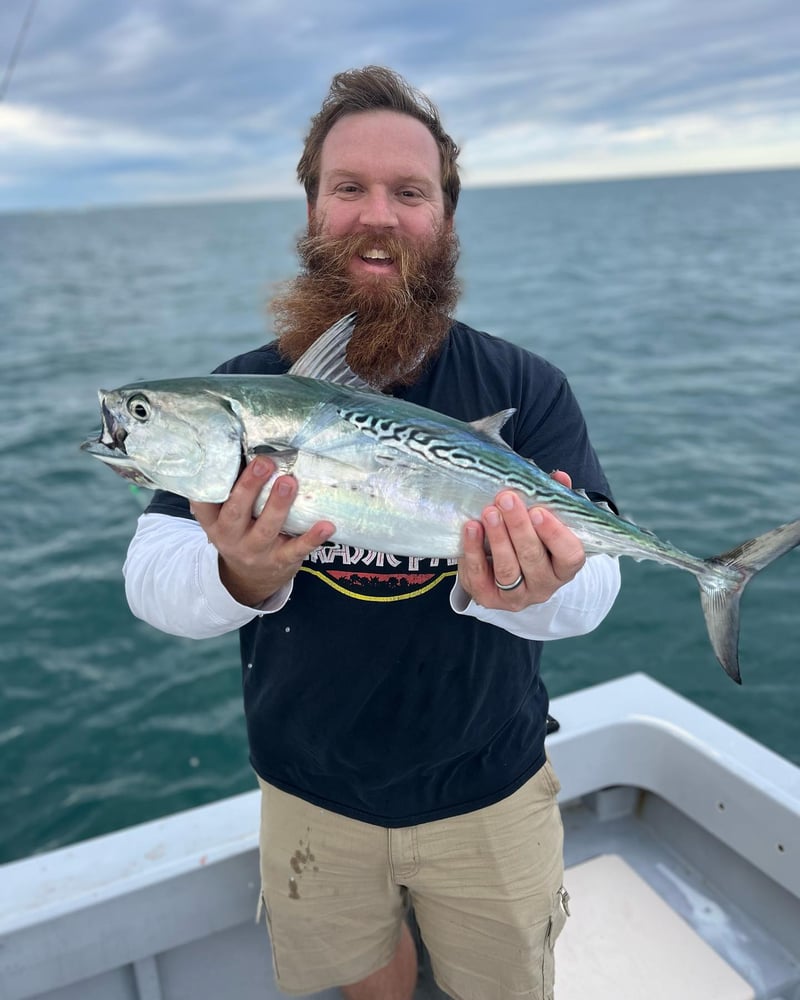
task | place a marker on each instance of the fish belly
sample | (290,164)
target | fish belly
(403,510)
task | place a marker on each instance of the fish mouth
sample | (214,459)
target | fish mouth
(97,448)
(110,443)
(118,459)
(109,447)
(113,434)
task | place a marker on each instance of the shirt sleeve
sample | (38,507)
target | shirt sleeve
(172,581)
(575,609)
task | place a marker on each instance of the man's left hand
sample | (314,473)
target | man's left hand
(527,545)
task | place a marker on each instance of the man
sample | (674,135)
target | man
(395,712)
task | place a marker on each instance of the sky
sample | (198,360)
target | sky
(119,102)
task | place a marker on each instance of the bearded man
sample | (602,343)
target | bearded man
(395,710)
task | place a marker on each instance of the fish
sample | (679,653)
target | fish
(391,475)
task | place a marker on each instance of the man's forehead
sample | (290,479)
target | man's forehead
(380,136)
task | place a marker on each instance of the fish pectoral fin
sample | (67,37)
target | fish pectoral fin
(490,427)
(322,431)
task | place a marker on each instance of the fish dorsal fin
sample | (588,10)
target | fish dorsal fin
(490,427)
(602,504)
(606,506)
(326,359)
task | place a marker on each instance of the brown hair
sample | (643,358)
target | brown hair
(375,88)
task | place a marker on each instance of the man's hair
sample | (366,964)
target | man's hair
(376,88)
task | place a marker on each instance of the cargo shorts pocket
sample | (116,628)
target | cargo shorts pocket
(554,927)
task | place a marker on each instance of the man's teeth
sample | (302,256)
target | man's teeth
(376,255)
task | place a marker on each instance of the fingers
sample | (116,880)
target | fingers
(566,552)
(255,558)
(511,542)
(514,544)
(562,477)
(269,523)
(474,572)
(237,511)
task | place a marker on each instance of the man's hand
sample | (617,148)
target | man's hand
(531,544)
(255,559)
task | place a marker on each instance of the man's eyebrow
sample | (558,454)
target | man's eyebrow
(414,179)
(339,173)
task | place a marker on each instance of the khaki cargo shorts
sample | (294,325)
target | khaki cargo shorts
(485,887)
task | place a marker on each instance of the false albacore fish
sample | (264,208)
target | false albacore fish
(392,476)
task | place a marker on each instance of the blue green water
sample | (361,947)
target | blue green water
(673,305)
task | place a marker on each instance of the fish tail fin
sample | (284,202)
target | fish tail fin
(720,594)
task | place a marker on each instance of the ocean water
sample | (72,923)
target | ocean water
(672,304)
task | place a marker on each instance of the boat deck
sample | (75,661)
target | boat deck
(659,910)
(682,845)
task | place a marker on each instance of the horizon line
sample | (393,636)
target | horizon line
(243,199)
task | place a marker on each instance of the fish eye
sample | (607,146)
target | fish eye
(139,407)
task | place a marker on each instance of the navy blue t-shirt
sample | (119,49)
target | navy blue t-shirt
(366,694)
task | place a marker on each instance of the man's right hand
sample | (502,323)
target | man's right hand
(255,559)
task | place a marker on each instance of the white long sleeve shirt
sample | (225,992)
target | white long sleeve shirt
(172,582)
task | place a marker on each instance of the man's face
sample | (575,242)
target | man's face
(378,244)
(380,176)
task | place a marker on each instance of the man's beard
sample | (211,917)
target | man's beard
(403,318)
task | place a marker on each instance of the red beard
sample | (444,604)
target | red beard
(402,318)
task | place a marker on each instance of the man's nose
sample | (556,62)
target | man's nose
(378,210)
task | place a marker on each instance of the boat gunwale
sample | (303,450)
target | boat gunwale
(631,731)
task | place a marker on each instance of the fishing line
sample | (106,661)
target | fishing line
(15,52)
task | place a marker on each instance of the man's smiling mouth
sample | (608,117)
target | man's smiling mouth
(376,256)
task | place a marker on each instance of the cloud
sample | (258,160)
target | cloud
(689,142)
(197,98)
(135,164)
(28,130)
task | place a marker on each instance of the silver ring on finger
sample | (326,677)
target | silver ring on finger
(509,586)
